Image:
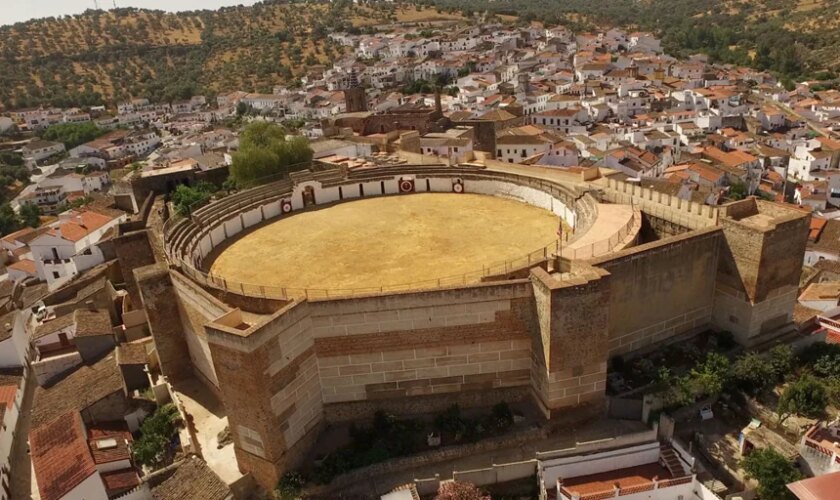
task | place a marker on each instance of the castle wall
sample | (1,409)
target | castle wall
(268,378)
(758,274)
(569,364)
(660,290)
(684,213)
(197,308)
(419,344)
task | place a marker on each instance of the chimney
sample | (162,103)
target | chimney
(90,305)
(438,107)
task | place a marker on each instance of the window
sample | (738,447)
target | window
(56,275)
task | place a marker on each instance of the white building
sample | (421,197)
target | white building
(646,471)
(11,397)
(38,150)
(70,246)
(808,159)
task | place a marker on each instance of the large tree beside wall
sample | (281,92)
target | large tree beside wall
(266,154)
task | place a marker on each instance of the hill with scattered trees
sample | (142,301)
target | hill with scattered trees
(797,39)
(107,56)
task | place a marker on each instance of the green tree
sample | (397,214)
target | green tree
(9,221)
(265,154)
(30,215)
(186,198)
(710,376)
(773,472)
(753,373)
(73,134)
(805,396)
(156,433)
(782,360)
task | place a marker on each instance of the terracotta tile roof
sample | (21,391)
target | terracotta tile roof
(25,265)
(828,239)
(18,234)
(80,225)
(8,318)
(8,393)
(192,481)
(118,431)
(53,326)
(817,488)
(92,323)
(624,478)
(60,455)
(77,391)
(120,480)
(132,353)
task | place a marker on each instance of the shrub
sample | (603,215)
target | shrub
(815,351)
(450,420)
(828,366)
(806,396)
(289,486)
(724,340)
(187,199)
(502,416)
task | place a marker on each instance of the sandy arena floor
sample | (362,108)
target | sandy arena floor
(387,241)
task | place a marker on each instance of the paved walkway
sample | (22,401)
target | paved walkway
(209,418)
(22,483)
(602,237)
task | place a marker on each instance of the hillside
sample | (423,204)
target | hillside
(795,38)
(99,55)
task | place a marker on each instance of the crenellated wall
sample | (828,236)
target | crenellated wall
(660,290)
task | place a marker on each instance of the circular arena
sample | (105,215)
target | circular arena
(387,241)
(333,232)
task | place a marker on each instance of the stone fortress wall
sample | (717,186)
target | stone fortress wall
(287,366)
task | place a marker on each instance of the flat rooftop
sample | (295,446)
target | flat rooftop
(401,242)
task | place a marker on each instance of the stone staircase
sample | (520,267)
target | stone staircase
(669,457)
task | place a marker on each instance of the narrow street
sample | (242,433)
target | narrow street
(21,466)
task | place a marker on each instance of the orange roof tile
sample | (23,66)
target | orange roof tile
(60,456)
(24,265)
(8,393)
(80,225)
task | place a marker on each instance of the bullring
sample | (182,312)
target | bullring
(652,269)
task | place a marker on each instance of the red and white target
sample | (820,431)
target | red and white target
(457,186)
(286,206)
(406,185)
